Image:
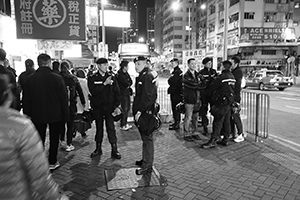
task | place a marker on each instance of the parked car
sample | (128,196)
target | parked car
(264,78)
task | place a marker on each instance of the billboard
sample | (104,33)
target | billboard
(116,18)
(50,19)
(258,34)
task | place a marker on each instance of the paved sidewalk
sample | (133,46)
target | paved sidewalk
(248,170)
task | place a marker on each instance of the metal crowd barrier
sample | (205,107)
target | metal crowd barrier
(256,109)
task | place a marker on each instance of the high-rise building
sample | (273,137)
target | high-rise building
(178,26)
(150,28)
(158,26)
(261,33)
(132,32)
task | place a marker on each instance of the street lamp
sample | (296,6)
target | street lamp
(103,2)
(141,40)
(226,22)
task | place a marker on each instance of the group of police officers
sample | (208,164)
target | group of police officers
(196,90)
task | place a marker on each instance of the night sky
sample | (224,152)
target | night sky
(113,33)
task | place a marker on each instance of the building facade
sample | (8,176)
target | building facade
(263,33)
(132,32)
(150,28)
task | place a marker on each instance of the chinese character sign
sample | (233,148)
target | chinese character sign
(50,19)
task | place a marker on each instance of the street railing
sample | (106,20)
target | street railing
(255,111)
(256,108)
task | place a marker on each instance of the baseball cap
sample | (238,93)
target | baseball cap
(139,58)
(206,60)
(102,61)
(29,63)
(174,60)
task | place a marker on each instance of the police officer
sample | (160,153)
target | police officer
(209,76)
(222,98)
(235,117)
(105,99)
(175,91)
(144,100)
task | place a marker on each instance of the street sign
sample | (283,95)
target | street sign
(50,19)
(256,33)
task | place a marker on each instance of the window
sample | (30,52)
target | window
(233,2)
(178,18)
(289,16)
(282,1)
(234,17)
(212,9)
(249,0)
(248,53)
(221,23)
(177,27)
(178,46)
(258,75)
(5,7)
(211,27)
(268,52)
(221,7)
(270,16)
(177,36)
(249,15)
(269,1)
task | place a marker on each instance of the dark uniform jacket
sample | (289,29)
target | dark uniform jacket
(192,86)
(74,89)
(106,97)
(223,89)
(124,81)
(145,91)
(45,97)
(238,75)
(175,81)
(15,90)
(209,76)
(24,75)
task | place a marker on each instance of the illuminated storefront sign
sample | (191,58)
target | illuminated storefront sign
(50,19)
(251,33)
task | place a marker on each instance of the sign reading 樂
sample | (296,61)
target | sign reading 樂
(50,19)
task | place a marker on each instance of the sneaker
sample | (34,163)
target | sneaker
(188,138)
(55,166)
(239,138)
(128,126)
(123,128)
(196,137)
(70,148)
(62,144)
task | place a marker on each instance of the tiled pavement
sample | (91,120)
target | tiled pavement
(248,170)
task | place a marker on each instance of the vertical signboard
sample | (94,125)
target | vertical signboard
(50,19)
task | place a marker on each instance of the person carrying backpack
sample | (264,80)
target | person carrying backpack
(73,88)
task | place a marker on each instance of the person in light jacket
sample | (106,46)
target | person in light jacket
(24,170)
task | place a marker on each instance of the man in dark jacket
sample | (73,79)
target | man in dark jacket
(12,80)
(175,91)
(73,88)
(29,64)
(144,100)
(235,117)
(105,99)
(193,83)
(124,81)
(222,98)
(45,101)
(209,74)
(55,67)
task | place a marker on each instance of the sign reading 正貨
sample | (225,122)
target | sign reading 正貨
(256,33)
(50,19)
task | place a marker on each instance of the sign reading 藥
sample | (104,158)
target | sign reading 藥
(50,19)
(256,33)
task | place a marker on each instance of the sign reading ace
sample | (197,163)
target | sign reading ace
(50,19)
